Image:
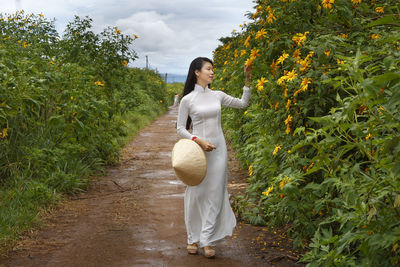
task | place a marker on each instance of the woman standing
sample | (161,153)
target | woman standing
(208,214)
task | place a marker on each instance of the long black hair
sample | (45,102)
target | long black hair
(191,79)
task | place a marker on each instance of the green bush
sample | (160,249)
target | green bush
(65,107)
(321,137)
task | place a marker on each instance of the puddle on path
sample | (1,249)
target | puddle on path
(158,174)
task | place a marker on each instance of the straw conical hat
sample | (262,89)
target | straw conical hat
(189,162)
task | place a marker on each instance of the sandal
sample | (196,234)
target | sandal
(209,252)
(192,249)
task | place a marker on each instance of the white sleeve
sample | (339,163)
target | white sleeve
(183,115)
(233,102)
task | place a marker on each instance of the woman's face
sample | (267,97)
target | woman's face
(206,74)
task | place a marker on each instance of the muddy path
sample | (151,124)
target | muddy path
(133,216)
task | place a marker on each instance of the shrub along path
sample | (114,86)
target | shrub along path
(133,216)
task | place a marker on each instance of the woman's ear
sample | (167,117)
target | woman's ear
(197,73)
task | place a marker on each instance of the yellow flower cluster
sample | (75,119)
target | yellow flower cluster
(271,16)
(269,190)
(251,170)
(276,150)
(300,38)
(369,136)
(284,182)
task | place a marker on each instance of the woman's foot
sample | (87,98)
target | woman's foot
(192,248)
(209,252)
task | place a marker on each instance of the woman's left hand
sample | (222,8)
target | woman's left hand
(247,75)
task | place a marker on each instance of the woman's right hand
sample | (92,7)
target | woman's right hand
(205,145)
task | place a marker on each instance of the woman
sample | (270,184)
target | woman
(208,214)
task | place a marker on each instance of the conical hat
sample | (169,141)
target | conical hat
(189,162)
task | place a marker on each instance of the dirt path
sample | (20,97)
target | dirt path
(133,216)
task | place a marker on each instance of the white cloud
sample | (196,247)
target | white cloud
(172,33)
(154,33)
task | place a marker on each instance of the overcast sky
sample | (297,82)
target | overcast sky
(171,32)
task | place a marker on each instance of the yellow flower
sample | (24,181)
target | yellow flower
(305,82)
(124,62)
(288,120)
(296,54)
(247,41)
(276,105)
(249,62)
(281,80)
(355,2)
(274,67)
(327,52)
(276,150)
(327,4)
(269,190)
(374,36)
(284,182)
(136,36)
(282,58)
(251,170)
(304,63)
(4,132)
(343,35)
(287,123)
(291,75)
(300,38)
(118,31)
(99,83)
(369,136)
(285,92)
(255,52)
(25,44)
(340,62)
(261,34)
(245,112)
(288,104)
(242,53)
(260,83)
(380,9)
(271,16)
(123,121)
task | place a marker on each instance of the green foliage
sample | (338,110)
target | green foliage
(321,137)
(65,104)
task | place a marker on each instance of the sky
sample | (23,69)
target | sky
(171,32)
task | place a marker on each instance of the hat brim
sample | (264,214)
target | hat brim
(189,162)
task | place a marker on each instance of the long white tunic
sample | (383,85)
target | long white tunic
(208,214)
